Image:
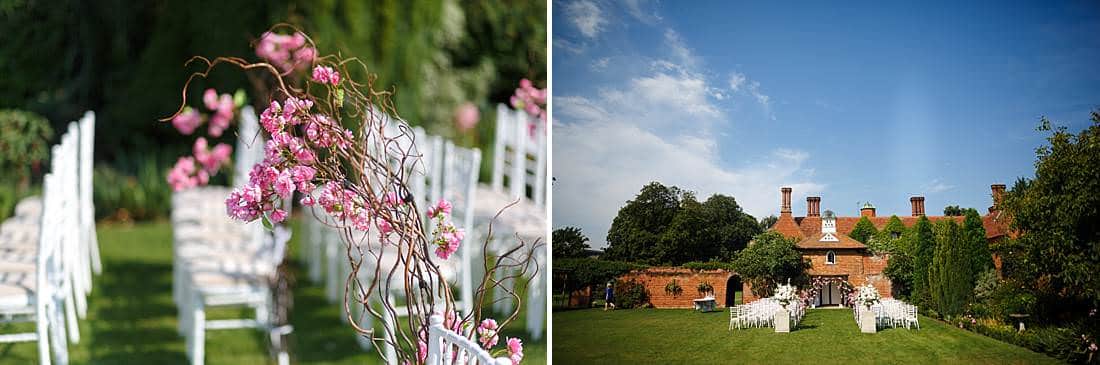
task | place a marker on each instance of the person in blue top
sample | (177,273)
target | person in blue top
(609,297)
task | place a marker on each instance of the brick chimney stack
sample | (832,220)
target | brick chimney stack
(918,205)
(868,210)
(785,205)
(998,195)
(813,206)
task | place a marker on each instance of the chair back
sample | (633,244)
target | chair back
(446,347)
(250,145)
(519,155)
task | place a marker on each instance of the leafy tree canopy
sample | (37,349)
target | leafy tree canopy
(664,225)
(769,260)
(863,230)
(569,242)
(1056,215)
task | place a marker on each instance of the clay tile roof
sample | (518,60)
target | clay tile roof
(787,227)
(994,224)
(844,242)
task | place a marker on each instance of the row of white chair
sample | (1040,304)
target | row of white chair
(219,262)
(48,250)
(890,312)
(761,313)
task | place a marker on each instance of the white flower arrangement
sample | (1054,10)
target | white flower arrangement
(867,295)
(785,294)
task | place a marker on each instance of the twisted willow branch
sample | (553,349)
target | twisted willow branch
(366,166)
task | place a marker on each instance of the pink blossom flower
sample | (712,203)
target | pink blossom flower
(326,75)
(308,201)
(466,116)
(391,199)
(302,176)
(384,227)
(272,118)
(180,176)
(284,184)
(187,121)
(1092,347)
(515,350)
(285,52)
(421,350)
(278,215)
(210,99)
(442,206)
(487,333)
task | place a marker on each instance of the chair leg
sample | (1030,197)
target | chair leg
(70,320)
(42,330)
(57,339)
(93,241)
(198,333)
(391,336)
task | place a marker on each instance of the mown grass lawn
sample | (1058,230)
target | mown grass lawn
(667,336)
(132,319)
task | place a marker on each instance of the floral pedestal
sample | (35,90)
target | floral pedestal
(867,320)
(782,321)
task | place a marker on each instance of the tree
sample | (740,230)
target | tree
(976,245)
(887,240)
(769,260)
(921,244)
(569,242)
(863,230)
(767,222)
(668,226)
(952,211)
(1056,215)
(950,278)
(638,226)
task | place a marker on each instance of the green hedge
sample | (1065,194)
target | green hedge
(583,272)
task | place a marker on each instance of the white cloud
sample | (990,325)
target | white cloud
(679,50)
(635,8)
(600,64)
(586,16)
(936,186)
(618,141)
(736,80)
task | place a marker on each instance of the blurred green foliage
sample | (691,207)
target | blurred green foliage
(125,59)
(24,144)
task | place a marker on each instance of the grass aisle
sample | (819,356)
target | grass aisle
(649,336)
(132,319)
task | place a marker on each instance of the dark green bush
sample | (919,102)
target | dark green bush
(631,294)
(141,195)
(24,144)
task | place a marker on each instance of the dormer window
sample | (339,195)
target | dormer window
(895,235)
(828,227)
(830,258)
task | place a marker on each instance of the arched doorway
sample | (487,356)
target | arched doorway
(733,291)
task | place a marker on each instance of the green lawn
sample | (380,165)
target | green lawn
(666,336)
(132,320)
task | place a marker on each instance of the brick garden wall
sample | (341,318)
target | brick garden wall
(655,278)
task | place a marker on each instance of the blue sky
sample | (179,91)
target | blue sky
(862,102)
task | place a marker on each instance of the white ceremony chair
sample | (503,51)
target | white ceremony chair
(39,295)
(87,219)
(449,347)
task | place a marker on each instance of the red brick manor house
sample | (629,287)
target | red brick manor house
(834,255)
(824,240)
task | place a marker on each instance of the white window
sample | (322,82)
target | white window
(830,258)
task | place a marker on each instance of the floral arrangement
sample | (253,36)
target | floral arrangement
(809,295)
(705,288)
(360,177)
(204,163)
(673,288)
(867,295)
(785,294)
(531,100)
